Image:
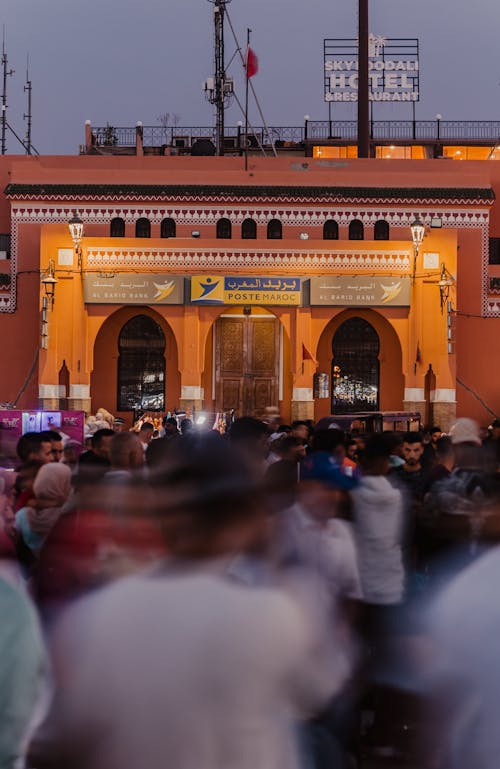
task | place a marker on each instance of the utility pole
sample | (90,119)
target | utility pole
(27,116)
(6,73)
(219,88)
(363,87)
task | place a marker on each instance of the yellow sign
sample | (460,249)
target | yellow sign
(271,290)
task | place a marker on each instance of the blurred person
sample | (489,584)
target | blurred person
(412,473)
(315,536)
(182,664)
(300,429)
(457,507)
(249,436)
(98,453)
(460,671)
(146,433)
(71,453)
(9,568)
(429,456)
(56,443)
(32,447)
(169,427)
(378,512)
(23,674)
(378,526)
(444,461)
(25,479)
(491,447)
(51,488)
(126,455)
(332,441)
(186,426)
(282,475)
(352,449)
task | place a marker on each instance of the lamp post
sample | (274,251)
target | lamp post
(75,225)
(417,228)
(306,126)
(48,280)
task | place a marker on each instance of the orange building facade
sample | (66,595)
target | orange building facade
(293,284)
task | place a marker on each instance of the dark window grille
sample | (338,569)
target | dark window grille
(330,230)
(356,231)
(274,230)
(224,229)
(249,229)
(494,255)
(117,228)
(355,368)
(5,245)
(381,230)
(141,366)
(167,228)
(143,228)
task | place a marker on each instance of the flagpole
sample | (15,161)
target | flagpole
(246,100)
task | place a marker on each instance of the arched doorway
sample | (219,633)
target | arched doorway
(141,365)
(246,360)
(355,367)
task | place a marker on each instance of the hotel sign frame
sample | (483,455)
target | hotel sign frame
(394,72)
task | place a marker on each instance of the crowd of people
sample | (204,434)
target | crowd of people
(278,597)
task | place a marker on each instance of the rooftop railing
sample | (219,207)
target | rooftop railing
(485,131)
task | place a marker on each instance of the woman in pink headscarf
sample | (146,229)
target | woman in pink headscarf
(51,488)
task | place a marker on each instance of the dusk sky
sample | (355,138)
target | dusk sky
(120,62)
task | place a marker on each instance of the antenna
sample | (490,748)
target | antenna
(6,73)
(219,88)
(27,116)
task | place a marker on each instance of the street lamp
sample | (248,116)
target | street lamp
(75,225)
(417,228)
(48,281)
(306,125)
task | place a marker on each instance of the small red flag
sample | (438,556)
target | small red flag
(252,65)
(306,355)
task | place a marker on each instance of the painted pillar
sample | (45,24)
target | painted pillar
(303,364)
(191,359)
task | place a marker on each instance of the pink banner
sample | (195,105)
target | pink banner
(14,423)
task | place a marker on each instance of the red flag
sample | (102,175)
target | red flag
(252,65)
(306,355)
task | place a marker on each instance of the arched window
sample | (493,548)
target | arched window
(249,229)
(330,230)
(356,230)
(143,228)
(167,228)
(224,229)
(355,368)
(274,230)
(141,366)
(381,230)
(117,227)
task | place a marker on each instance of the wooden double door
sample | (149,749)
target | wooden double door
(246,364)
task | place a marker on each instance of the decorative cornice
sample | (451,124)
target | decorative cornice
(244,259)
(244,193)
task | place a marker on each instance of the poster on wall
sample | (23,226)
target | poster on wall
(16,422)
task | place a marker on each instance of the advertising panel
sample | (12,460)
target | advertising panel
(250,290)
(360,291)
(133,288)
(16,422)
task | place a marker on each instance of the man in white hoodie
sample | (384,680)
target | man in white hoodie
(378,526)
